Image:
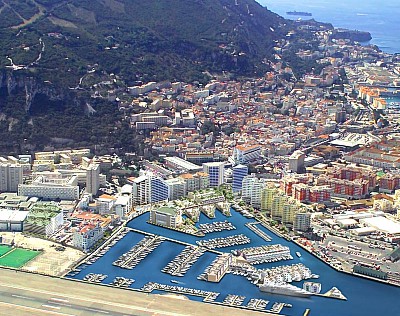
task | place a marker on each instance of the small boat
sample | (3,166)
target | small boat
(176,282)
(298,254)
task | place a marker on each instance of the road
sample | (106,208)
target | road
(31,294)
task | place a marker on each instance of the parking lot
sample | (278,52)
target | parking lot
(350,251)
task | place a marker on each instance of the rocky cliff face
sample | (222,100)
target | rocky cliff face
(12,82)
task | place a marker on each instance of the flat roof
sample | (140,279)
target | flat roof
(383,224)
(13,216)
(183,163)
(347,221)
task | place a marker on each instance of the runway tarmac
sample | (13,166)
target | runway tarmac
(31,294)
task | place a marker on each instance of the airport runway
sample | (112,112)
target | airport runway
(30,294)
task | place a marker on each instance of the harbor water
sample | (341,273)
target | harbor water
(365,297)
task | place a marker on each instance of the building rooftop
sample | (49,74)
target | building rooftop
(167,210)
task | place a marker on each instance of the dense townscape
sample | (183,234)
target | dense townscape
(310,156)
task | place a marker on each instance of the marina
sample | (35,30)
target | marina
(224,242)
(182,263)
(132,258)
(357,290)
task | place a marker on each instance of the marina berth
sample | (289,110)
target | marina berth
(140,251)
(122,282)
(223,242)
(182,263)
(264,254)
(216,227)
(95,277)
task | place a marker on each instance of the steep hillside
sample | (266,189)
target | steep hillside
(53,52)
(152,39)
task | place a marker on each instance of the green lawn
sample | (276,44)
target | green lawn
(18,257)
(4,249)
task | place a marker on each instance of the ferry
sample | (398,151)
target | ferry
(298,254)
(299,13)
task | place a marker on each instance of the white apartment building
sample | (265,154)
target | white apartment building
(252,188)
(43,187)
(176,188)
(122,206)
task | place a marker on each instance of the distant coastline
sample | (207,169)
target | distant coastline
(380,20)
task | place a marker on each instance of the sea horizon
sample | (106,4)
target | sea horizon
(380,20)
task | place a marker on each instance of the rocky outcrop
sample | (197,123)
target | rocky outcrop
(353,35)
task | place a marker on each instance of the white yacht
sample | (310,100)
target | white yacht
(283,289)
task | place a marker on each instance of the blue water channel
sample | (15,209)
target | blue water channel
(365,297)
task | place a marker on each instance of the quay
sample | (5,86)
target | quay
(172,240)
(193,232)
(253,227)
(263,221)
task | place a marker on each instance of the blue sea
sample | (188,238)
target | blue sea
(380,18)
(365,297)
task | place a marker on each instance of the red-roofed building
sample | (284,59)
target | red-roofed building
(86,235)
